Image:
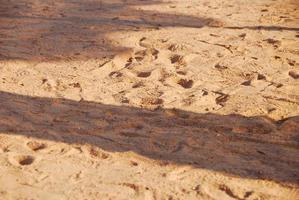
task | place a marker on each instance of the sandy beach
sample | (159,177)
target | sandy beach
(149,99)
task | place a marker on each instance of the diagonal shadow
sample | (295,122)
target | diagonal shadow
(71,29)
(249,147)
(59,30)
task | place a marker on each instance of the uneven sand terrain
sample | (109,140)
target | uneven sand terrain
(149,99)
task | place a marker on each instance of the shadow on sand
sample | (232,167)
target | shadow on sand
(250,147)
(70,29)
(55,30)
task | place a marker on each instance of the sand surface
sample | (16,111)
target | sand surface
(149,99)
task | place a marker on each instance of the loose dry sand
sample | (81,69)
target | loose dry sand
(149,99)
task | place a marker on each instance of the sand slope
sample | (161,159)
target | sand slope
(149,99)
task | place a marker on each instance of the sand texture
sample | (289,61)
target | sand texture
(149,99)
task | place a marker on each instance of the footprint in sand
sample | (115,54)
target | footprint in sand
(185,83)
(220,100)
(146,55)
(115,74)
(220,66)
(129,62)
(291,62)
(133,163)
(261,77)
(22,160)
(143,74)
(151,53)
(275,43)
(138,85)
(180,72)
(144,42)
(178,60)
(154,52)
(246,83)
(35,146)
(173,47)
(96,153)
(294,74)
